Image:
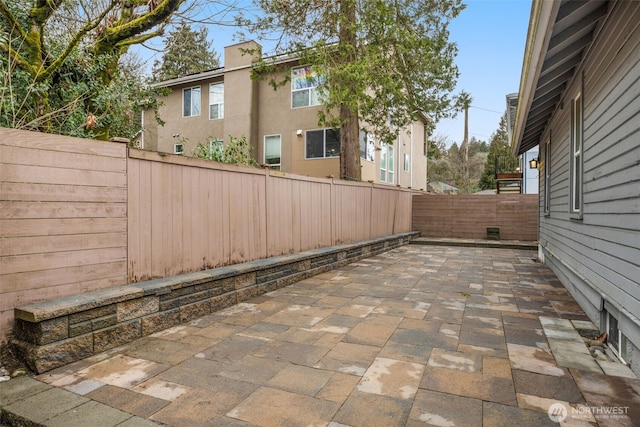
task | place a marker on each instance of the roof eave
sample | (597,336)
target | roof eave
(543,16)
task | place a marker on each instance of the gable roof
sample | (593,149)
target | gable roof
(559,34)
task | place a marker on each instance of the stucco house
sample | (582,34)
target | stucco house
(579,101)
(281,125)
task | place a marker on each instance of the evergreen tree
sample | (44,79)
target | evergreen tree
(186,52)
(380,62)
(498,147)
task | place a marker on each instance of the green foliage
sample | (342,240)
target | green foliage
(383,63)
(450,167)
(237,151)
(499,147)
(63,68)
(437,147)
(186,52)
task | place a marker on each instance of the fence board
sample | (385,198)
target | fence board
(63,218)
(79,215)
(468,216)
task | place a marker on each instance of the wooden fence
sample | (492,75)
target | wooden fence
(80,215)
(468,216)
(63,218)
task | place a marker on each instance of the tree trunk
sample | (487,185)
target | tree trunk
(350,129)
(349,145)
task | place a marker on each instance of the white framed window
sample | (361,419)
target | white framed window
(616,340)
(547,176)
(178,148)
(216,101)
(386,163)
(191,101)
(576,155)
(304,87)
(272,150)
(322,143)
(367,146)
(405,162)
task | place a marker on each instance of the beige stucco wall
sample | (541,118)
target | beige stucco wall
(255,110)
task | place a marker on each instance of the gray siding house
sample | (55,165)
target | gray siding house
(579,101)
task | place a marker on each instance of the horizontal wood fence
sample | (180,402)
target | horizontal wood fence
(63,218)
(79,215)
(468,216)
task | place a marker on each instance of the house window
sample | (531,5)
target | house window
(304,87)
(615,338)
(191,101)
(178,148)
(216,101)
(322,143)
(547,176)
(367,147)
(386,163)
(576,155)
(272,151)
(405,162)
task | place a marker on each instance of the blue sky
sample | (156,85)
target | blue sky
(490,35)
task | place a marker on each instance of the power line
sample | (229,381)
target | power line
(486,109)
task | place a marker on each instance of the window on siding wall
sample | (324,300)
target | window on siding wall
(405,162)
(386,163)
(272,151)
(576,155)
(322,143)
(216,101)
(178,149)
(191,101)
(547,176)
(367,147)
(304,87)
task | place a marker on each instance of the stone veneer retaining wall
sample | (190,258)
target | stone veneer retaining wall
(53,333)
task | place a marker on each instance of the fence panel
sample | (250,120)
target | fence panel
(79,215)
(63,218)
(468,216)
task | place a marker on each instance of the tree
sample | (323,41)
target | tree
(61,60)
(437,147)
(379,62)
(186,52)
(498,147)
(464,102)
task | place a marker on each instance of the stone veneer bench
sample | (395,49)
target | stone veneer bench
(53,333)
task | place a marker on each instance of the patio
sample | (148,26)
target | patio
(420,335)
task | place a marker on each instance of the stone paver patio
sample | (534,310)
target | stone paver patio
(421,335)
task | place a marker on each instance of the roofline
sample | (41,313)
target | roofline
(541,21)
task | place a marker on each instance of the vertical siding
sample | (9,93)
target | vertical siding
(63,218)
(601,252)
(188,214)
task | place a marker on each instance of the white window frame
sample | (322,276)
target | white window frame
(178,148)
(387,167)
(193,105)
(305,80)
(219,102)
(324,144)
(367,146)
(577,156)
(547,176)
(264,156)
